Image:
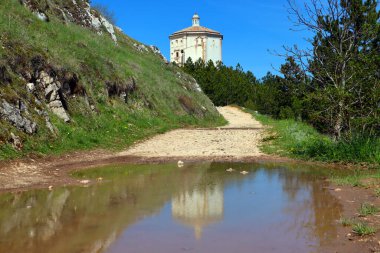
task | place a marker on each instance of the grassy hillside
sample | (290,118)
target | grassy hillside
(164,97)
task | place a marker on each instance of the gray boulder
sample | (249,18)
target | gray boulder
(61,113)
(13,114)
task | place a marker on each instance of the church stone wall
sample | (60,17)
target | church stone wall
(214,49)
(196,47)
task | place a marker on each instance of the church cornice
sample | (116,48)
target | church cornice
(208,34)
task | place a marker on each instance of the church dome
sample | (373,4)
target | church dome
(196,29)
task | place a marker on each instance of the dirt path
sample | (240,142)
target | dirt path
(238,141)
(240,138)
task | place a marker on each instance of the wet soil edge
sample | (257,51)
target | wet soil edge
(351,198)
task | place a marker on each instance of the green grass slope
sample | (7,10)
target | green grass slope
(299,140)
(162,100)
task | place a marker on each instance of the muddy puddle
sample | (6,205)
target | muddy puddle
(163,208)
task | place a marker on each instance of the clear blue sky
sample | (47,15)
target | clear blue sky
(250,27)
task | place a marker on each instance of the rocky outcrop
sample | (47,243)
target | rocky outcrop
(157,51)
(14,115)
(189,106)
(121,90)
(74,11)
(145,49)
(48,123)
(71,84)
(141,48)
(53,95)
(189,82)
(108,26)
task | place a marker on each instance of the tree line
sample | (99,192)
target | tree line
(334,85)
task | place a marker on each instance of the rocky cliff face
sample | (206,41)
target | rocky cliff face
(74,11)
(54,76)
(48,91)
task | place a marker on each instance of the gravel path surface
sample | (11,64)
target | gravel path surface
(237,141)
(240,138)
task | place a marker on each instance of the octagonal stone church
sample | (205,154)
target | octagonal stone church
(195,42)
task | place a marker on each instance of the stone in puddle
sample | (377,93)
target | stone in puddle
(244,172)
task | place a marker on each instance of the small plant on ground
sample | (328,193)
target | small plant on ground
(368,209)
(270,137)
(377,192)
(346,221)
(351,180)
(363,229)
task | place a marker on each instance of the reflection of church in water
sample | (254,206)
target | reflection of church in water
(199,208)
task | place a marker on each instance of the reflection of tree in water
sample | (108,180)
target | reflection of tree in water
(319,210)
(87,219)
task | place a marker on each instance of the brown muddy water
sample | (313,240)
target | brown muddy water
(164,209)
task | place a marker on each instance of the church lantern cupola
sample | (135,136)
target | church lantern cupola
(196,20)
